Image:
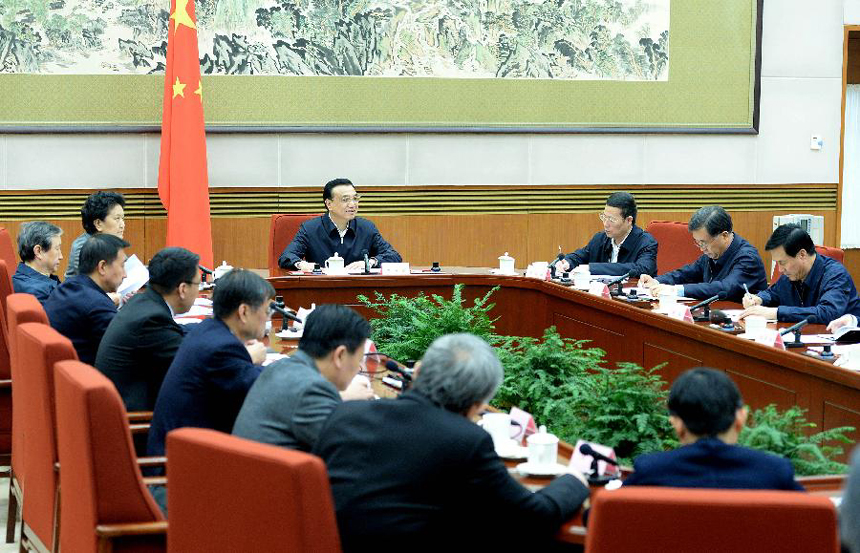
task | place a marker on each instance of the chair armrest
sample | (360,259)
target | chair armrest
(151,461)
(5,384)
(111,531)
(141,428)
(139,416)
(155,480)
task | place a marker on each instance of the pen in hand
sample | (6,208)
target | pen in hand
(746,289)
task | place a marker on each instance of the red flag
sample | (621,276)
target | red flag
(183,183)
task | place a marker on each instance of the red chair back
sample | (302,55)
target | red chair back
(5,365)
(281,232)
(276,499)
(676,245)
(8,253)
(655,520)
(834,253)
(21,308)
(99,474)
(40,346)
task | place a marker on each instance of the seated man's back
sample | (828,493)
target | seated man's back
(80,308)
(409,473)
(142,340)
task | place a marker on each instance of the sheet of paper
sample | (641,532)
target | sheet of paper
(272,357)
(647,296)
(734,313)
(198,311)
(136,276)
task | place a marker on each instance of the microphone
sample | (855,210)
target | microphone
(204,271)
(552,264)
(796,327)
(285,313)
(617,280)
(589,451)
(395,367)
(366,261)
(706,314)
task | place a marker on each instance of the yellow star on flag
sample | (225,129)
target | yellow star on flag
(178,88)
(199,90)
(180,16)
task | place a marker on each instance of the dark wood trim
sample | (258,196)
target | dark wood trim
(846,32)
(759,25)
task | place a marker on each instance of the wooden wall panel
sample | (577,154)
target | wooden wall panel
(853,60)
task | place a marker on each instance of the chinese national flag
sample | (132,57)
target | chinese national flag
(183,184)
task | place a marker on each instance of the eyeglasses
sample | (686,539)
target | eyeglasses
(348,199)
(702,244)
(608,219)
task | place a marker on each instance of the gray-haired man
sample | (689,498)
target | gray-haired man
(39,249)
(416,473)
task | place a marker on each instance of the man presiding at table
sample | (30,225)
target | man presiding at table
(416,474)
(812,286)
(728,262)
(621,247)
(338,231)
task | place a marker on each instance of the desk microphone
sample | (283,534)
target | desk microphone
(204,271)
(553,264)
(797,343)
(725,322)
(589,451)
(366,261)
(285,313)
(394,367)
(706,314)
(617,280)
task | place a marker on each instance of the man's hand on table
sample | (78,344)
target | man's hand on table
(751,300)
(845,320)
(768,313)
(257,351)
(358,389)
(358,265)
(653,287)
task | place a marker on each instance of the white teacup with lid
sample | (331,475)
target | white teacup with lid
(221,270)
(506,264)
(334,265)
(543,449)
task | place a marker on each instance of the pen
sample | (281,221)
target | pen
(745,288)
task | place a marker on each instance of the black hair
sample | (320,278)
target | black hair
(332,325)
(237,287)
(329,186)
(99,247)
(625,201)
(171,267)
(792,238)
(97,206)
(713,218)
(35,233)
(706,400)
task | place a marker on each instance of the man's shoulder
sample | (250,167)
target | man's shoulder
(645,238)
(746,249)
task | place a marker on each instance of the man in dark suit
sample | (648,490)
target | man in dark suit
(39,249)
(707,413)
(727,263)
(338,231)
(812,286)
(143,338)
(415,473)
(217,362)
(292,399)
(621,247)
(80,308)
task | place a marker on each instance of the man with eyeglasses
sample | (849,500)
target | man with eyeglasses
(728,262)
(142,339)
(338,231)
(620,248)
(293,397)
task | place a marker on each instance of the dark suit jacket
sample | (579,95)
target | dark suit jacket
(637,255)
(81,311)
(205,385)
(138,347)
(318,239)
(408,475)
(28,280)
(740,264)
(711,463)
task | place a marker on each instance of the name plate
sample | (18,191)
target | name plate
(770,337)
(394,269)
(597,288)
(680,311)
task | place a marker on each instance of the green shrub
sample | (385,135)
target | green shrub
(783,433)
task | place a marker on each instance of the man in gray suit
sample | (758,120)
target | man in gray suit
(293,397)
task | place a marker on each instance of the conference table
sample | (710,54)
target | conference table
(627,333)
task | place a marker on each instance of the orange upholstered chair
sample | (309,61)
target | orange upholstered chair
(282,502)
(105,505)
(39,346)
(282,231)
(676,245)
(834,253)
(8,252)
(5,372)
(646,519)
(21,308)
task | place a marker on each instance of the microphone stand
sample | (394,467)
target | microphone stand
(796,329)
(618,282)
(705,306)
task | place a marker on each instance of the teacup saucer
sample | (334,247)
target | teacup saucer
(513,452)
(528,469)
